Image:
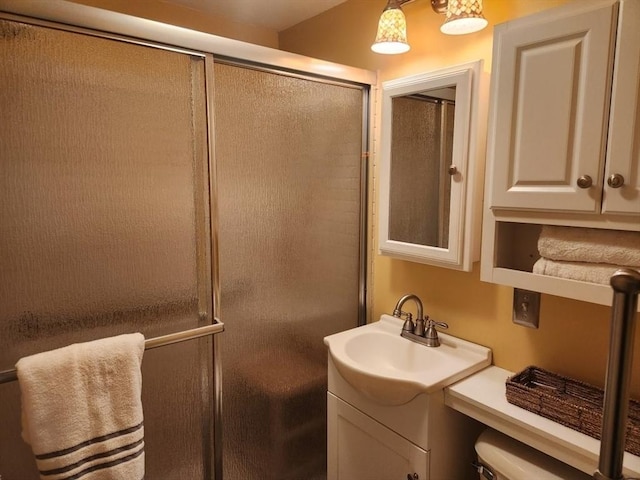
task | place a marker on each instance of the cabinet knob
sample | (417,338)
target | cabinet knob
(615,181)
(453,170)
(585,181)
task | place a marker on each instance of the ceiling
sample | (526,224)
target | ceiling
(277,15)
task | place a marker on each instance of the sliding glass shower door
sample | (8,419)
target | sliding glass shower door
(289,167)
(104,225)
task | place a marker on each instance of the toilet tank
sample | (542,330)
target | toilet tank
(503,458)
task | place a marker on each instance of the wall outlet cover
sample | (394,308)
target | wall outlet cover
(526,308)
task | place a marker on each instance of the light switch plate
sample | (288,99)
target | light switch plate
(526,308)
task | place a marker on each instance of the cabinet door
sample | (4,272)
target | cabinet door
(550,97)
(622,191)
(431,164)
(360,448)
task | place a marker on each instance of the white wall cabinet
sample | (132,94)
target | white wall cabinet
(432,165)
(564,136)
(551,97)
(623,148)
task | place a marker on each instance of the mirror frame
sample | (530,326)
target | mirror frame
(469,137)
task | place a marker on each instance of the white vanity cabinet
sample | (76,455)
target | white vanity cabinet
(362,448)
(552,92)
(422,439)
(564,136)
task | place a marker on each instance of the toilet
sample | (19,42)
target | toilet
(503,458)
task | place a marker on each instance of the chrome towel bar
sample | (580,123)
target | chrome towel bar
(7,376)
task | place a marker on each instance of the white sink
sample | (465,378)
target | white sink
(392,370)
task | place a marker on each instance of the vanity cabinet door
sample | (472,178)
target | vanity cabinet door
(622,174)
(550,94)
(359,448)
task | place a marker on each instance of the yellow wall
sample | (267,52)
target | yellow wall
(183,16)
(573,336)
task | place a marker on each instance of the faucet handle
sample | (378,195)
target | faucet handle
(408,323)
(432,323)
(431,334)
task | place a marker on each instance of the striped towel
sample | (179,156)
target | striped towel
(82,409)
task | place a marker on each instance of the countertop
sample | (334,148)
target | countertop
(482,396)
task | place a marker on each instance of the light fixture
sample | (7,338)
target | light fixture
(462,16)
(392,30)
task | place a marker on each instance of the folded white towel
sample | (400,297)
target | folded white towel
(592,245)
(584,272)
(82,409)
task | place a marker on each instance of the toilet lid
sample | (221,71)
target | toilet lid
(514,460)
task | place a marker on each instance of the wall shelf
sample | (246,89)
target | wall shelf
(482,396)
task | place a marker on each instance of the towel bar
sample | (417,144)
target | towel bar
(7,376)
(626,286)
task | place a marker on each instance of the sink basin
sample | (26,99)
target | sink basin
(392,370)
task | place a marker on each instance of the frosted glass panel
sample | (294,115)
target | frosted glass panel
(288,160)
(102,154)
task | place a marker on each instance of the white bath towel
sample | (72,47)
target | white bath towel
(591,245)
(82,409)
(584,272)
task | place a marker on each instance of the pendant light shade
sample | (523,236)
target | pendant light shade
(392,31)
(463,16)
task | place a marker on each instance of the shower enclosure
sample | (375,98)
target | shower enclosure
(152,178)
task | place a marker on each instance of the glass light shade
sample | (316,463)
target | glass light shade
(392,33)
(463,16)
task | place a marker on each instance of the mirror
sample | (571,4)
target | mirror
(430,162)
(420,183)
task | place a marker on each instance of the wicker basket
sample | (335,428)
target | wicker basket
(574,404)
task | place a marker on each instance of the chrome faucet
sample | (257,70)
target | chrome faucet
(424,329)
